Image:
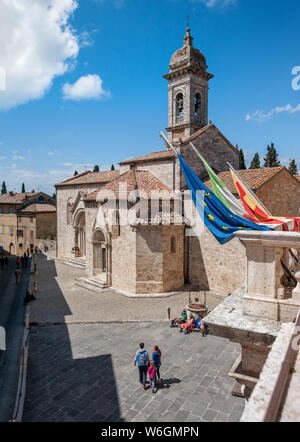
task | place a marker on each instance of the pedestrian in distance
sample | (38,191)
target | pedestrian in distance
(152,372)
(27,298)
(18,276)
(18,261)
(142,358)
(156,356)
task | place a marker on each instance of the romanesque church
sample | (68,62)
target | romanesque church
(146,255)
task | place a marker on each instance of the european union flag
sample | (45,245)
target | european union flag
(217,217)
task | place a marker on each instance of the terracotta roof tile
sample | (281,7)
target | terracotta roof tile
(16,198)
(297,177)
(89,177)
(254,178)
(140,181)
(38,208)
(153,156)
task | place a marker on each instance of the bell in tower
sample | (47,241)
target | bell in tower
(188,91)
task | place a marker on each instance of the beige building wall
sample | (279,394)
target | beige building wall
(281,195)
(124,260)
(215,267)
(26,224)
(8,224)
(45,225)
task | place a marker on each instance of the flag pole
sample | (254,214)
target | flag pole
(249,190)
(169,144)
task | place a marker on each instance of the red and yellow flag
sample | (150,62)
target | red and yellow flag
(255,209)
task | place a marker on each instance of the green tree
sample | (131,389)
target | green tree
(271,159)
(96,168)
(255,163)
(293,167)
(3,190)
(75,173)
(54,196)
(112,167)
(23,188)
(242,165)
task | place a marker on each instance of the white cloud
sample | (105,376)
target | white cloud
(18,157)
(85,88)
(212,3)
(262,116)
(37,43)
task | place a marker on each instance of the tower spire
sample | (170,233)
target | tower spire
(188,40)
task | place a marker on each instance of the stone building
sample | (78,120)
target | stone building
(154,256)
(25,218)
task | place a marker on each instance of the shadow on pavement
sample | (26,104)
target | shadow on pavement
(59,387)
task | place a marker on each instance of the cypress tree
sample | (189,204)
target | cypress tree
(23,188)
(255,163)
(271,159)
(96,168)
(242,165)
(75,173)
(293,167)
(112,167)
(3,190)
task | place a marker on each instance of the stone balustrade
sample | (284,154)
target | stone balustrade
(267,295)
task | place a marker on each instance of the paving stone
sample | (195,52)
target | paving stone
(210,415)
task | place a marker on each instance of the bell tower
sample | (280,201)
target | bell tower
(187,91)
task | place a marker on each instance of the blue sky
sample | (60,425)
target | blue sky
(51,124)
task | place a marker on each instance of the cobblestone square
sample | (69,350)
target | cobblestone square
(85,373)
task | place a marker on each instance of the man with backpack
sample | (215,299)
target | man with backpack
(142,358)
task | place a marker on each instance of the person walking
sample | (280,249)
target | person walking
(156,356)
(142,358)
(18,261)
(152,373)
(27,298)
(18,276)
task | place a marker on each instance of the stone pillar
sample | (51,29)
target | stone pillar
(296,291)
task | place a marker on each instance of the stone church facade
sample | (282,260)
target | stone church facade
(146,253)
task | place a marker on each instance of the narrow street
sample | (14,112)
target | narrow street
(12,319)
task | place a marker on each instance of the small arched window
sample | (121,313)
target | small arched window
(69,212)
(179,106)
(197,104)
(173,244)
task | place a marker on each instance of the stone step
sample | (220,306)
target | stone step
(93,284)
(77,263)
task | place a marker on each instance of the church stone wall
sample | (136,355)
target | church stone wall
(124,260)
(159,270)
(214,149)
(218,268)
(173,262)
(281,195)
(65,232)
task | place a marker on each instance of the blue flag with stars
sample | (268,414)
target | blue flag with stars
(216,216)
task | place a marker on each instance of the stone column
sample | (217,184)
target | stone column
(296,291)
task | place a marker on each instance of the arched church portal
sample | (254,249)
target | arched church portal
(80,235)
(100,253)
